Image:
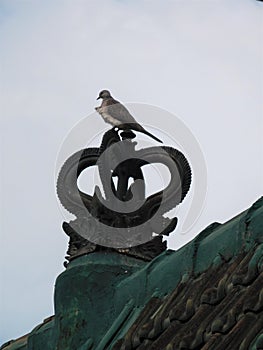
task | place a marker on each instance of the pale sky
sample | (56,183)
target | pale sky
(199,60)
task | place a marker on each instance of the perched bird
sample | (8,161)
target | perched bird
(114,113)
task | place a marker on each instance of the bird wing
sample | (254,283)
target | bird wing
(118,111)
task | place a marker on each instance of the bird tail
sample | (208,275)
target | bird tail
(138,127)
(151,135)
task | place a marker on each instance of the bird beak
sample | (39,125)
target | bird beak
(98,98)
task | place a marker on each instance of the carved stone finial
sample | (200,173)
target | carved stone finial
(122,218)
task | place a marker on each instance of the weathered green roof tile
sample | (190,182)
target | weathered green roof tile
(254,222)
(41,337)
(18,344)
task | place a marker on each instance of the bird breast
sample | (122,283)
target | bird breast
(107,117)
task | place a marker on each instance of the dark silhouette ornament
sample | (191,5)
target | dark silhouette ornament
(121,218)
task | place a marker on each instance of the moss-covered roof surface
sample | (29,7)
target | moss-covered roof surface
(206,295)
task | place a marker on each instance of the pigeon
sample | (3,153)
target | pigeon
(114,113)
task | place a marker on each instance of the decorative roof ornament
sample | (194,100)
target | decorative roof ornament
(121,217)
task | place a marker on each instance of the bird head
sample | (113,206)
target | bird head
(104,94)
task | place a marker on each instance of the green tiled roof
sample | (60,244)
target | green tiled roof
(207,292)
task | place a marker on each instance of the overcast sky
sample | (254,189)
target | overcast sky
(199,60)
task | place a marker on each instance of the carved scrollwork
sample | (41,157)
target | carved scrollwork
(122,213)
